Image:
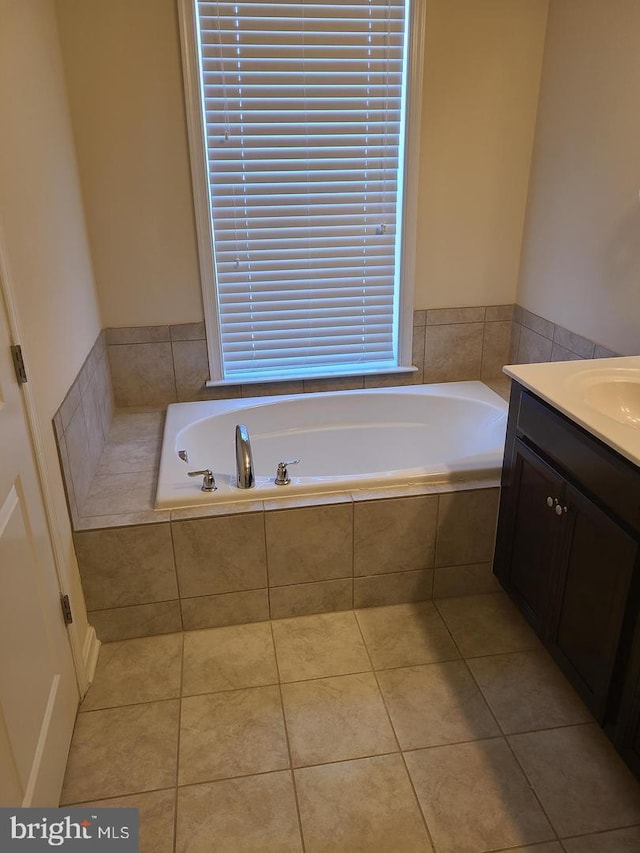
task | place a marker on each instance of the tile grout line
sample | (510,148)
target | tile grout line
(286,735)
(175,812)
(395,735)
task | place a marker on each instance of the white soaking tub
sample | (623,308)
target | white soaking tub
(345,440)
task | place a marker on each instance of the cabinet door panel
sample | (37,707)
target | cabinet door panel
(535,535)
(598,564)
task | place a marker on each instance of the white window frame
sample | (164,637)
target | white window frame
(204,231)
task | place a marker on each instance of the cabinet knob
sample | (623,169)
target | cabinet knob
(549,501)
(560,510)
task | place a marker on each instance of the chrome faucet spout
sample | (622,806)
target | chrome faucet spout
(244,458)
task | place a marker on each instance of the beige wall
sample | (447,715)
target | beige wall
(125,89)
(43,237)
(124,80)
(482,74)
(581,254)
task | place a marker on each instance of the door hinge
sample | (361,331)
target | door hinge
(18,363)
(66,609)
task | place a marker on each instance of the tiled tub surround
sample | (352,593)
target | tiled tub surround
(82,424)
(535,339)
(233,563)
(157,365)
(147,572)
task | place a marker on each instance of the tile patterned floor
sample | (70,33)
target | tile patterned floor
(419,727)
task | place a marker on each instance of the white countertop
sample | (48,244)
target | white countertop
(601,394)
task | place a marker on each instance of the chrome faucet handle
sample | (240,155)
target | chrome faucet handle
(208,480)
(282,475)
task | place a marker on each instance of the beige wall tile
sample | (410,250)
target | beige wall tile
(69,405)
(215,555)
(516,331)
(559,353)
(495,348)
(435,704)
(467,527)
(123,519)
(498,312)
(80,462)
(446,316)
(256,814)
(603,352)
(307,598)
(318,646)
(191,366)
(187,332)
(532,347)
(143,620)
(576,343)
(475,797)
(231,608)
(133,671)
(228,658)
(405,635)
(310,544)
(137,335)
(417,351)
(156,817)
(145,739)
(602,793)
(267,389)
(394,535)
(527,691)
(393,588)
(340,383)
(126,565)
(453,352)
(420,317)
(137,426)
(93,423)
(102,378)
(209,744)
(333,719)
(142,374)
(486,625)
(464,580)
(537,324)
(369,799)
(67,479)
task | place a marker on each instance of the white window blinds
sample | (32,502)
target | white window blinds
(303,108)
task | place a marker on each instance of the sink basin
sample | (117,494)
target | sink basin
(615,394)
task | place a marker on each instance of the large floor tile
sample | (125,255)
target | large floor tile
(475,797)
(331,719)
(255,814)
(235,733)
(405,635)
(435,704)
(486,625)
(581,781)
(156,817)
(132,671)
(364,806)
(317,646)
(617,841)
(527,691)
(122,751)
(228,658)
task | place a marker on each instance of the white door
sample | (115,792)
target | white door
(38,692)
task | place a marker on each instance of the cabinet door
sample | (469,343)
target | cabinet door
(530,520)
(596,569)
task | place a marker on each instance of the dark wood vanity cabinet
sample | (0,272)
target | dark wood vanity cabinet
(568,553)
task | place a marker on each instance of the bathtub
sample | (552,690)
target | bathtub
(345,440)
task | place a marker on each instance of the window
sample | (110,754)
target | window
(302,168)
